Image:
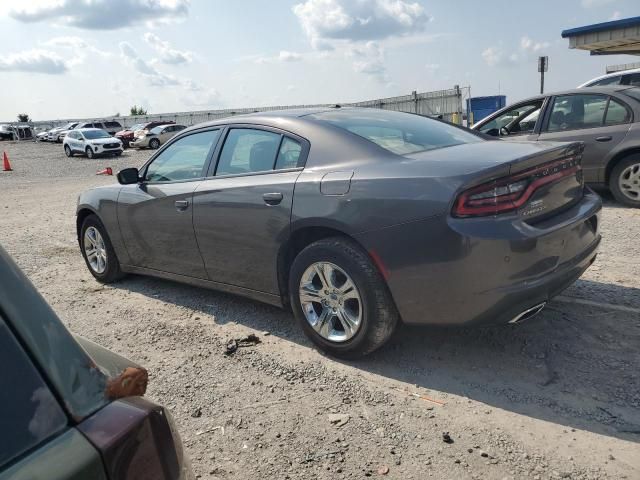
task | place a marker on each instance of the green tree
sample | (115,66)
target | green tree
(136,110)
(24,118)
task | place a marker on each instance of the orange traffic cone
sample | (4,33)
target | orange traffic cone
(106,171)
(6,163)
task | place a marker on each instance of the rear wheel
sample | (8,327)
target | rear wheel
(98,252)
(67,151)
(154,143)
(624,181)
(340,299)
(89,152)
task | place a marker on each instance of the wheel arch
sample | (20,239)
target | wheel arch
(83,213)
(617,158)
(297,241)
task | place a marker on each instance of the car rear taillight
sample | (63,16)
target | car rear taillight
(510,193)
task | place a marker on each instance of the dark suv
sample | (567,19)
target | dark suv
(70,408)
(126,136)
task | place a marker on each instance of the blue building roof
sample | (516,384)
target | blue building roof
(601,27)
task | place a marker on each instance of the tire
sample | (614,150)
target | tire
(377,313)
(624,181)
(58,140)
(117,154)
(67,151)
(111,271)
(89,153)
(154,143)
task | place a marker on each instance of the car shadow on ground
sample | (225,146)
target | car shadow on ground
(574,364)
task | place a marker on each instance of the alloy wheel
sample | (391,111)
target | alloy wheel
(629,181)
(330,302)
(95,250)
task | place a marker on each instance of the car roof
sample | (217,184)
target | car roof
(610,75)
(89,130)
(605,89)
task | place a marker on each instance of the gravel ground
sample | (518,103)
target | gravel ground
(556,397)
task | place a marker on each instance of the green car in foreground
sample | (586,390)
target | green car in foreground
(70,409)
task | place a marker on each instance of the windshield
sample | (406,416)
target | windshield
(399,133)
(94,134)
(137,126)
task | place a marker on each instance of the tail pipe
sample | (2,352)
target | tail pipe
(528,313)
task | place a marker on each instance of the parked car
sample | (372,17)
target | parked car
(606,119)
(355,218)
(57,134)
(111,127)
(626,77)
(127,135)
(156,136)
(91,142)
(72,409)
(6,132)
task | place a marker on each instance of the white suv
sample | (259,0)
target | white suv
(54,133)
(91,142)
(625,77)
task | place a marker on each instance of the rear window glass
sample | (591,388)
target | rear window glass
(30,413)
(399,133)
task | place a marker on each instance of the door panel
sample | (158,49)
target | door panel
(240,224)
(157,228)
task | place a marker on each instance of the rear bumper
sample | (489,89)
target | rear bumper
(447,271)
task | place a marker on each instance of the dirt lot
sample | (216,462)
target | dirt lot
(557,397)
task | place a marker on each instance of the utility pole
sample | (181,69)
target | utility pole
(543,66)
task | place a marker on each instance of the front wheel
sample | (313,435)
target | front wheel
(340,299)
(67,151)
(624,181)
(89,152)
(98,252)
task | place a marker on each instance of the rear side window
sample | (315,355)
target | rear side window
(399,133)
(112,125)
(632,79)
(247,150)
(30,413)
(289,154)
(573,112)
(616,113)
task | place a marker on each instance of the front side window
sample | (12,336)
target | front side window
(515,121)
(247,150)
(30,413)
(616,113)
(183,159)
(574,112)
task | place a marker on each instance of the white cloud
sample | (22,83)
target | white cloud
(283,56)
(207,99)
(327,21)
(529,45)
(369,59)
(595,3)
(167,53)
(78,46)
(616,15)
(34,61)
(496,56)
(98,14)
(146,69)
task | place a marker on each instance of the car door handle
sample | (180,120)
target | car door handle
(606,138)
(182,204)
(272,198)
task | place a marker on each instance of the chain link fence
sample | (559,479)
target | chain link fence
(445,104)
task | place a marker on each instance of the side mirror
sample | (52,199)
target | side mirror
(128,176)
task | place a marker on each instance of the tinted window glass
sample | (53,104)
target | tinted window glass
(98,125)
(94,134)
(400,133)
(633,93)
(183,159)
(289,154)
(112,124)
(515,121)
(246,150)
(573,112)
(632,79)
(606,81)
(616,113)
(30,413)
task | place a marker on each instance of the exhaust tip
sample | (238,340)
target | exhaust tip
(528,313)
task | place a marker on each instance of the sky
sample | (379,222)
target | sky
(96,58)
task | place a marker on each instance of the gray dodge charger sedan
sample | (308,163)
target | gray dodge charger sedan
(356,219)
